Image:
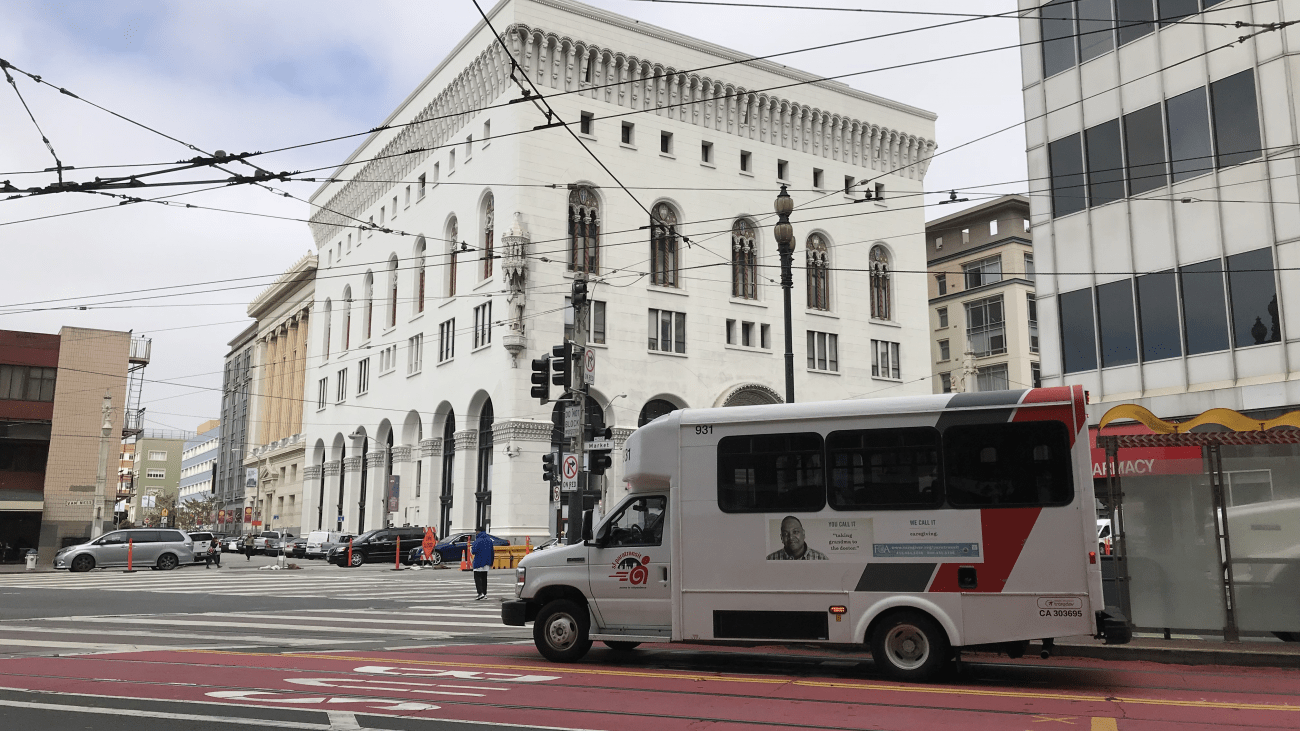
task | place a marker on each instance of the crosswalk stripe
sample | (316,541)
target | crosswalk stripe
(371,620)
(268,625)
(296,641)
(96,646)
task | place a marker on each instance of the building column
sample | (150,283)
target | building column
(404,468)
(261,386)
(310,500)
(376,510)
(466,481)
(521,501)
(351,492)
(299,396)
(430,455)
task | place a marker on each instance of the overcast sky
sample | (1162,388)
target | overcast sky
(245,76)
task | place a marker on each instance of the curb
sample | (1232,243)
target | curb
(1178,655)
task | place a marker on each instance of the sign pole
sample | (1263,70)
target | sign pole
(579,390)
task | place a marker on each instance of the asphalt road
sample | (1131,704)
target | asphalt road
(330,648)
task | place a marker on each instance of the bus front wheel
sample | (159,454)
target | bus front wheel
(561,631)
(909,645)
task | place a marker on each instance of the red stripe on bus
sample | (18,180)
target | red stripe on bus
(1073,418)
(1005,532)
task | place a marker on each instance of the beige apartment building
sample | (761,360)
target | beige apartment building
(983,315)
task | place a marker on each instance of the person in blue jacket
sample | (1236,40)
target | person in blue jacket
(482,550)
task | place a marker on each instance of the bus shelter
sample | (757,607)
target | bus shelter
(1211,551)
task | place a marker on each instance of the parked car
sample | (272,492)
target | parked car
(448,550)
(319,542)
(157,548)
(202,539)
(232,544)
(268,541)
(376,546)
(296,548)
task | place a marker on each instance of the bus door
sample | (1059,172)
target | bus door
(629,566)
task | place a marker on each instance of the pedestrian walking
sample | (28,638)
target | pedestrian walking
(248,546)
(482,549)
(214,554)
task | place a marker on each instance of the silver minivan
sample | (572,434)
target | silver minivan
(160,548)
(319,542)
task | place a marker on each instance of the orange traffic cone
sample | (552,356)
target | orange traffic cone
(528,544)
(464,561)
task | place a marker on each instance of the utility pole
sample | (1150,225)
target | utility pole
(578,389)
(101,477)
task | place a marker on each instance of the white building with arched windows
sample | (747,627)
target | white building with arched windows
(426,319)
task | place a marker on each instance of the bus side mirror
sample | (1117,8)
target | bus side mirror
(586,525)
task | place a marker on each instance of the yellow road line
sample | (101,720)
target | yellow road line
(930,690)
(1103,724)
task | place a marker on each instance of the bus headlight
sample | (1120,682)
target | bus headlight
(521,574)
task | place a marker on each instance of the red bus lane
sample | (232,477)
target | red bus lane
(507,684)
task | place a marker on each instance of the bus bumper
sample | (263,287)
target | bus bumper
(1113,627)
(517,613)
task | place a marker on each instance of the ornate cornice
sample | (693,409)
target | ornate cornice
(351,464)
(375,459)
(431,448)
(332,469)
(401,454)
(521,430)
(311,473)
(466,440)
(621,433)
(557,61)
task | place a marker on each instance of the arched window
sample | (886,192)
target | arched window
(483,491)
(744,260)
(653,409)
(584,230)
(420,249)
(663,246)
(370,303)
(880,283)
(347,317)
(325,350)
(818,275)
(448,471)
(453,231)
(488,230)
(392,291)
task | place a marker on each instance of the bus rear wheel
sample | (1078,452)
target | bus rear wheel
(561,631)
(909,645)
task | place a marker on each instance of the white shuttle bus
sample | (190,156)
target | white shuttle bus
(913,526)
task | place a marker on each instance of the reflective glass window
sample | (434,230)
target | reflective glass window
(1172,11)
(1096,28)
(1135,19)
(1115,323)
(1236,119)
(884,468)
(1078,341)
(1057,20)
(1008,465)
(1066,159)
(1253,291)
(1205,317)
(1144,146)
(1158,316)
(765,473)
(1105,163)
(1189,134)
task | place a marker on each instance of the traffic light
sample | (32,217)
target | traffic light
(598,460)
(541,380)
(579,292)
(548,467)
(563,366)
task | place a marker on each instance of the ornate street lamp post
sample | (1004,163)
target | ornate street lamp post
(783,232)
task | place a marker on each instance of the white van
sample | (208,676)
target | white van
(913,526)
(319,542)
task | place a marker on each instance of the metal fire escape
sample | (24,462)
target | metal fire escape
(133,423)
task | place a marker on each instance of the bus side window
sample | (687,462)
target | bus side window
(1021,464)
(769,473)
(875,469)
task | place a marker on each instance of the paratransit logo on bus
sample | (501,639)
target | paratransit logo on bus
(630,568)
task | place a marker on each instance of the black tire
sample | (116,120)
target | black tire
(621,645)
(358,558)
(84,562)
(1284,636)
(561,631)
(168,561)
(909,645)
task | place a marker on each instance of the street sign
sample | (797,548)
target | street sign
(430,540)
(569,472)
(555,494)
(589,367)
(571,414)
(600,444)
(394,491)
(340,518)
(164,512)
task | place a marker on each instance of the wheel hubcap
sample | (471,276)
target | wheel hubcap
(562,631)
(907,647)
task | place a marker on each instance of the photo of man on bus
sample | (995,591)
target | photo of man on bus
(794,547)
